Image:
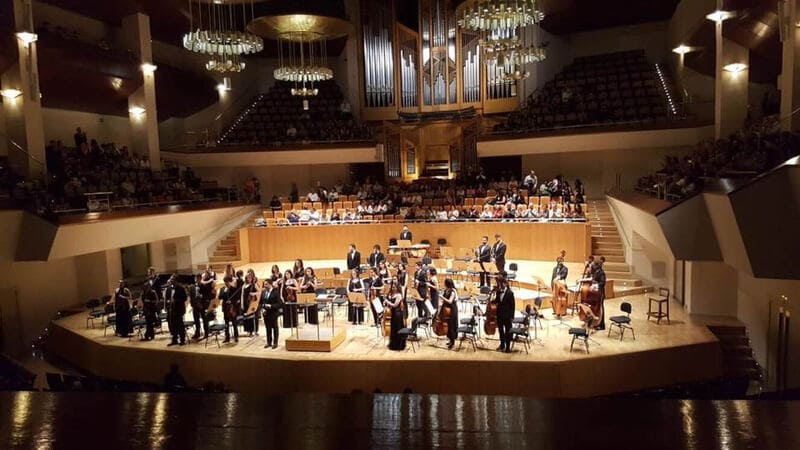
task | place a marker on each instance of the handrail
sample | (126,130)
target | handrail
(231,218)
(619,223)
(19,147)
(235,106)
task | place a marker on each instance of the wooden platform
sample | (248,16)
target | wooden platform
(313,340)
(661,355)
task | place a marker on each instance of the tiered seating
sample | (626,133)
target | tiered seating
(595,90)
(271,116)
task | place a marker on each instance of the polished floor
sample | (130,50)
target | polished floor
(223,421)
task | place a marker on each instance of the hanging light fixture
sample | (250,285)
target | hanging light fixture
(502,22)
(302,47)
(220,33)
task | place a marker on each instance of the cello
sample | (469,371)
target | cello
(490,322)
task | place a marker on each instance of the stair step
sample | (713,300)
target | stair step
(607,240)
(740,362)
(605,251)
(614,258)
(728,330)
(227,247)
(219,259)
(626,282)
(731,340)
(616,267)
(736,351)
(621,275)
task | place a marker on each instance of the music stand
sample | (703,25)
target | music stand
(359,300)
(378,306)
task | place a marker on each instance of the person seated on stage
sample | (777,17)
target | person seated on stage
(454,214)
(361,208)
(498,212)
(509,212)
(487,213)
(515,197)
(303,217)
(533,211)
(335,217)
(500,198)
(293,218)
(544,212)
(312,196)
(441,215)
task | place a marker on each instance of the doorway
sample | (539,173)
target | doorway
(135,261)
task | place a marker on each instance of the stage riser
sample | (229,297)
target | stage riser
(580,376)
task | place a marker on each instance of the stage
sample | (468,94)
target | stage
(661,355)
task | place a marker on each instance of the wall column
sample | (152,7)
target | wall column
(730,88)
(142,103)
(790,73)
(23,115)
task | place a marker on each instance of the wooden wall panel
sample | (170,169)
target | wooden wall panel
(526,241)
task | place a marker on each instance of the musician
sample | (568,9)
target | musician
(208,282)
(200,301)
(289,290)
(275,274)
(450,301)
(420,283)
(230,306)
(122,307)
(376,256)
(154,283)
(176,298)
(353,258)
(405,235)
(505,312)
(588,267)
(560,272)
(272,306)
(308,285)
(402,283)
(249,294)
(395,304)
(599,277)
(432,284)
(150,310)
(484,255)
(298,270)
(499,253)
(355,313)
(230,271)
(383,271)
(375,283)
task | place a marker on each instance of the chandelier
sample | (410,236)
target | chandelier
(220,33)
(302,47)
(502,23)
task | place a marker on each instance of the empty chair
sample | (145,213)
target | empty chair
(622,322)
(662,302)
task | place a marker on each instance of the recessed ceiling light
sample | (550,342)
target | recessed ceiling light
(719,15)
(735,67)
(10,93)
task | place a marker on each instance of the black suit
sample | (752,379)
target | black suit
(506,305)
(200,304)
(177,297)
(375,259)
(353,260)
(499,255)
(484,255)
(421,277)
(406,236)
(600,279)
(271,303)
(560,272)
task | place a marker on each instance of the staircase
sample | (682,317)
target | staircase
(737,355)
(607,242)
(227,252)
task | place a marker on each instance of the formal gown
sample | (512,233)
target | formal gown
(122,308)
(289,311)
(397,342)
(250,324)
(452,325)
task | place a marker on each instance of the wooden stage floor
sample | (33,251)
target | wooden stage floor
(661,355)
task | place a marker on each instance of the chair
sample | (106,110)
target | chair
(322,307)
(661,300)
(521,332)
(579,333)
(469,331)
(95,313)
(215,329)
(410,334)
(622,322)
(512,273)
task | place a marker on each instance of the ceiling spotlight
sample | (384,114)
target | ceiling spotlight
(682,49)
(136,110)
(735,67)
(148,68)
(27,37)
(116,83)
(719,15)
(10,93)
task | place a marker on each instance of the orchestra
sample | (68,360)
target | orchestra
(245,302)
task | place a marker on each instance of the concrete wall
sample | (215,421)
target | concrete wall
(60,124)
(559,54)
(651,37)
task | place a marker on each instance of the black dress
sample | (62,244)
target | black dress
(250,324)
(122,308)
(397,342)
(452,324)
(289,311)
(355,313)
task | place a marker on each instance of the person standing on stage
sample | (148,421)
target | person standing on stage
(376,257)
(176,308)
(150,311)
(271,305)
(122,308)
(499,253)
(355,312)
(420,280)
(395,302)
(560,272)
(289,289)
(405,235)
(483,255)
(230,307)
(200,303)
(450,300)
(432,284)
(505,313)
(599,277)
(353,258)
(375,283)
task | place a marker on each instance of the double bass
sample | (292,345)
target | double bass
(560,297)
(441,323)
(490,322)
(591,308)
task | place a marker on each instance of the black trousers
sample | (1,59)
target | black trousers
(271,324)
(150,321)
(504,329)
(199,315)
(501,265)
(228,324)
(177,329)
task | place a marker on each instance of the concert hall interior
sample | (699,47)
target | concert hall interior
(404,204)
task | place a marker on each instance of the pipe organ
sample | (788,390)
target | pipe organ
(434,68)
